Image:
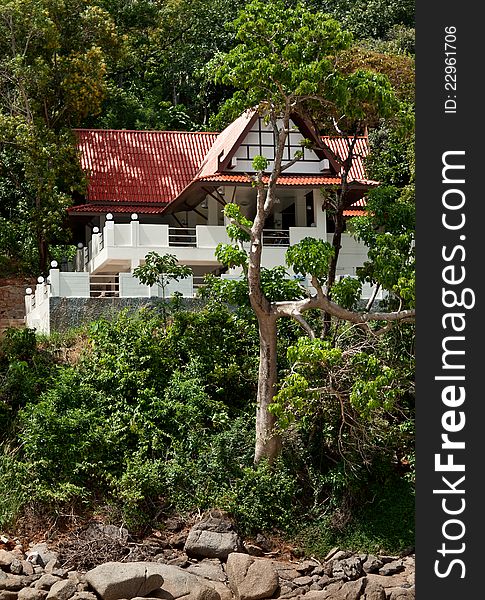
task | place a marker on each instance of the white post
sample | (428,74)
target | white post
(320,216)
(109,231)
(28,300)
(55,279)
(134,230)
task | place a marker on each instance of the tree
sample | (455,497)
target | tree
(287,63)
(53,56)
(161,270)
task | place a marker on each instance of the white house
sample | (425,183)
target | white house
(165,191)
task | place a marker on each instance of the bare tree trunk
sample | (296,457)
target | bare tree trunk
(268,444)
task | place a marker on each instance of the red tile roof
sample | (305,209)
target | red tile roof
(361,149)
(284,180)
(145,171)
(140,166)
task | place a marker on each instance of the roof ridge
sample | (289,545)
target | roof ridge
(146,131)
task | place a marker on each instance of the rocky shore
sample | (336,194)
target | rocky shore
(209,562)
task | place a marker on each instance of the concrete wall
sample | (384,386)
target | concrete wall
(66,313)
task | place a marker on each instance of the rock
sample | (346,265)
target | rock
(51,565)
(84,596)
(306,567)
(6,559)
(251,578)
(40,554)
(7,595)
(223,591)
(352,590)
(372,564)
(46,582)
(62,590)
(16,566)
(213,537)
(348,568)
(178,582)
(14,583)
(27,568)
(305,580)
(115,580)
(3,575)
(31,594)
(209,569)
(391,568)
(374,591)
(402,594)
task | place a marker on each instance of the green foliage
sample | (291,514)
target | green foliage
(240,225)
(310,256)
(288,57)
(380,521)
(347,292)
(161,269)
(260,163)
(24,372)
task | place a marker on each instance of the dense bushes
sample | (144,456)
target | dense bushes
(151,420)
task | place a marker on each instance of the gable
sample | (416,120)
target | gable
(260,141)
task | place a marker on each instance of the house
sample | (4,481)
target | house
(165,191)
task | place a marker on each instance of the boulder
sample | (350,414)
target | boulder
(31,594)
(7,595)
(46,582)
(402,594)
(209,568)
(213,537)
(115,580)
(62,590)
(41,555)
(6,559)
(251,578)
(178,582)
(391,568)
(348,568)
(374,591)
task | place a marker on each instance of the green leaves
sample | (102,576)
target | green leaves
(161,269)
(310,256)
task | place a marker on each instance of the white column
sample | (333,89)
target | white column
(320,216)
(134,230)
(55,281)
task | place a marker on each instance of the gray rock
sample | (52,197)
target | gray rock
(178,582)
(391,568)
(374,591)
(51,565)
(6,558)
(62,590)
(16,567)
(115,580)
(41,555)
(348,568)
(84,596)
(8,595)
(209,569)
(402,594)
(3,575)
(46,582)
(352,590)
(251,578)
(31,594)
(372,564)
(14,583)
(305,580)
(213,537)
(27,568)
